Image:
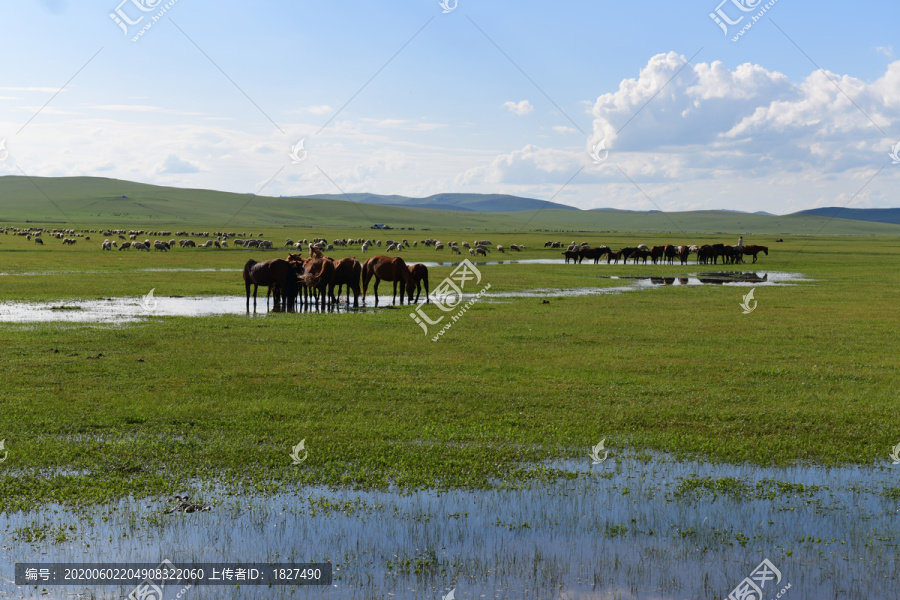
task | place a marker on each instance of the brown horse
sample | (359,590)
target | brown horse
(389,269)
(754,250)
(277,274)
(347,271)
(317,279)
(420,276)
(593,253)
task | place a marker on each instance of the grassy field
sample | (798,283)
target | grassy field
(92,413)
(64,201)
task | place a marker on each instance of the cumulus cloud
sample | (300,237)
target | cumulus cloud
(708,136)
(521,108)
(748,115)
(176,166)
(530,165)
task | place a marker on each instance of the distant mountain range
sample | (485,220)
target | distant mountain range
(876,215)
(470,202)
(98,201)
(508,203)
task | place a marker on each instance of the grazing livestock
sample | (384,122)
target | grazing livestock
(420,277)
(624,253)
(571,255)
(500,249)
(454,249)
(140,246)
(107,245)
(639,254)
(481,250)
(277,273)
(347,271)
(670,252)
(593,253)
(704,253)
(754,250)
(317,277)
(124,246)
(158,245)
(38,240)
(389,269)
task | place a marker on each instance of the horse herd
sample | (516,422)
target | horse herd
(311,281)
(666,254)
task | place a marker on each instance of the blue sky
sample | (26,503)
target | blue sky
(507,97)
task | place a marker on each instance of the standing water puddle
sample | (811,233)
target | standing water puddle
(632,526)
(124,310)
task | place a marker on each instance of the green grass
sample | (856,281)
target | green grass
(73,201)
(809,376)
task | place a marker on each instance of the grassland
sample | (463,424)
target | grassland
(95,413)
(64,201)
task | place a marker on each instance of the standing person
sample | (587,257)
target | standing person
(740,241)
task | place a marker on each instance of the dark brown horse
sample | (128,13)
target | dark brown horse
(278,275)
(420,276)
(389,269)
(347,271)
(640,255)
(754,250)
(670,252)
(624,253)
(593,253)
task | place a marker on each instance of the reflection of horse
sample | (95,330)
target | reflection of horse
(754,250)
(347,271)
(277,274)
(420,276)
(389,269)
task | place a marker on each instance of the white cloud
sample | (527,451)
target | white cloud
(886,50)
(321,109)
(51,90)
(521,108)
(177,166)
(127,107)
(564,129)
(747,118)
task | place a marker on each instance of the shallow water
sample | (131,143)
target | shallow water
(633,526)
(125,310)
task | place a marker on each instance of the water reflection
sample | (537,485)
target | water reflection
(636,526)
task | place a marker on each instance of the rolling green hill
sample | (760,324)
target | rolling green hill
(876,215)
(92,201)
(471,202)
